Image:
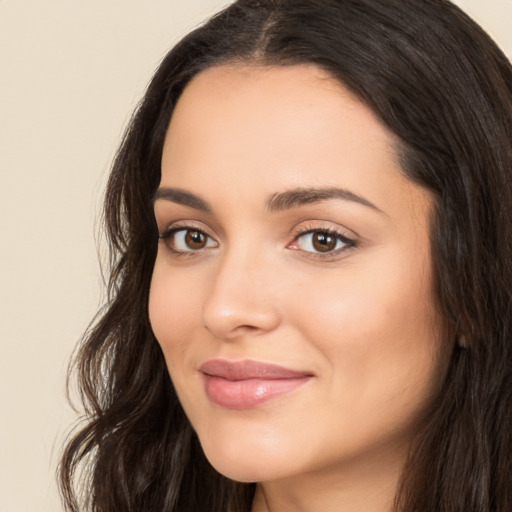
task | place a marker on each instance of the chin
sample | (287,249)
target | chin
(246,471)
(246,462)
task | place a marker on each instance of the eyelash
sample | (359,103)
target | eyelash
(168,234)
(349,243)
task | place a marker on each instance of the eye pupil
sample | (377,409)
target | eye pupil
(323,242)
(195,239)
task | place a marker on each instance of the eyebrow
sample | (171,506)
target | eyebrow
(302,196)
(182,197)
(277,202)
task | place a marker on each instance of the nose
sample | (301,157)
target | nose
(241,301)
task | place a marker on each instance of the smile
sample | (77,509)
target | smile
(247,384)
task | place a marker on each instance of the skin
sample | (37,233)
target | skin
(362,318)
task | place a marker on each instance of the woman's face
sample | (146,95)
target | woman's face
(292,292)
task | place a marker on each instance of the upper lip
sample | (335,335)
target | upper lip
(249,369)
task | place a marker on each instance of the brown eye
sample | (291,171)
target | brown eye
(323,242)
(195,240)
(187,240)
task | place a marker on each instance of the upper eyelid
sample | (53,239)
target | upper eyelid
(323,225)
(321,230)
(346,239)
(165,221)
(186,224)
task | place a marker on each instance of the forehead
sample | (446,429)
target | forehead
(267,129)
(275,105)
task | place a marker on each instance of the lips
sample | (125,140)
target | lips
(247,384)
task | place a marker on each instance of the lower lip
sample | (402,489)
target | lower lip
(246,394)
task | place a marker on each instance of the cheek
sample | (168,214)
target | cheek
(365,306)
(173,313)
(378,331)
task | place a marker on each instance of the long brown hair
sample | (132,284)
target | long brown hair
(445,89)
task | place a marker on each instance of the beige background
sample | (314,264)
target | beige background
(71,72)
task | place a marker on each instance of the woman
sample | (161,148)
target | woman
(310,296)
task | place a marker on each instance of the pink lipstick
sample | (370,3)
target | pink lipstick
(246,384)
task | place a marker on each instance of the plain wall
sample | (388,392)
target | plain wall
(71,73)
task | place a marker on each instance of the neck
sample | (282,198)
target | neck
(348,488)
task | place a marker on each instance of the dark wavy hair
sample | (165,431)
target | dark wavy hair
(440,84)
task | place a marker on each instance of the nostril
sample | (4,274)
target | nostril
(240,330)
